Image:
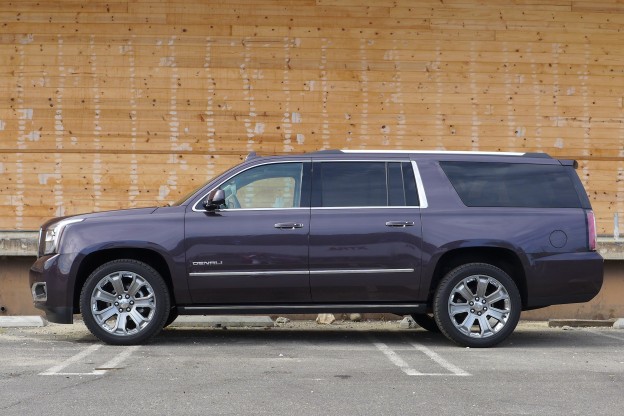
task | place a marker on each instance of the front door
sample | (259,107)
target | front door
(255,248)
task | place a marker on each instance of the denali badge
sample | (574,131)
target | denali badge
(208,263)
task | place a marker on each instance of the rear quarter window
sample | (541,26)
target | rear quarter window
(480,184)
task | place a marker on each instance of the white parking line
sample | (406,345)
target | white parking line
(441,361)
(112,364)
(404,366)
(98,371)
(82,354)
(593,331)
(396,360)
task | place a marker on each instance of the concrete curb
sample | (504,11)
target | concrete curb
(223,321)
(22,321)
(580,323)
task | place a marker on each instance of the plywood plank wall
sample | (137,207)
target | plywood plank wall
(113,104)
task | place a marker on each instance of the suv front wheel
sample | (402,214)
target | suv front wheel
(477,305)
(124,302)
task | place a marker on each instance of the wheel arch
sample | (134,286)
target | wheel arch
(501,257)
(95,259)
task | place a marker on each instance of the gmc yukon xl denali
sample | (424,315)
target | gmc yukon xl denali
(462,241)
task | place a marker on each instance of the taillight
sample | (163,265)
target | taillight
(591,230)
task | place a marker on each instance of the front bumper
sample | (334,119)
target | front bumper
(50,273)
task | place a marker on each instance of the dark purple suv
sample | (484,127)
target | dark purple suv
(461,241)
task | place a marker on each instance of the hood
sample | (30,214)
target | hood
(103,214)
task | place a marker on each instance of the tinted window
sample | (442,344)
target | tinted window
(396,193)
(365,184)
(409,181)
(267,186)
(353,184)
(512,185)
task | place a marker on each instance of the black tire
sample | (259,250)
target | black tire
(477,321)
(173,315)
(133,294)
(426,321)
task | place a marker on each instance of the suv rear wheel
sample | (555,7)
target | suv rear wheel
(124,302)
(477,305)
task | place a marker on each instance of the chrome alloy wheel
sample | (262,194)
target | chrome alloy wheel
(123,303)
(479,306)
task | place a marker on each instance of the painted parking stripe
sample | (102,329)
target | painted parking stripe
(593,331)
(440,361)
(396,359)
(71,360)
(452,370)
(98,371)
(115,362)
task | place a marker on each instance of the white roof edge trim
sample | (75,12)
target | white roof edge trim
(442,152)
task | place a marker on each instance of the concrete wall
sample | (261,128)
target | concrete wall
(16,300)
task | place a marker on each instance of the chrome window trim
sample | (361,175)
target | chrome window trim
(298,272)
(373,207)
(273,162)
(258,209)
(420,187)
(422,198)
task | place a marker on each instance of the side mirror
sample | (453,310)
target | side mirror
(214,199)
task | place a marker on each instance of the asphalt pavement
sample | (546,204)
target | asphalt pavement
(302,368)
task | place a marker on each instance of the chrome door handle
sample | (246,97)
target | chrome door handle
(288,225)
(399,223)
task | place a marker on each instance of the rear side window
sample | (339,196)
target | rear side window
(512,185)
(364,184)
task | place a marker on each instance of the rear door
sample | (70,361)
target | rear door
(365,232)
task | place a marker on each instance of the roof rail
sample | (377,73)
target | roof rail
(251,155)
(326,152)
(538,154)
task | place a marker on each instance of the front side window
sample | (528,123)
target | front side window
(275,185)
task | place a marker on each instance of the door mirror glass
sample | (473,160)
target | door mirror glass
(214,199)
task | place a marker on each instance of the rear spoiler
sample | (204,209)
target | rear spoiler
(569,162)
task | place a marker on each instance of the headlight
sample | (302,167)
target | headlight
(51,236)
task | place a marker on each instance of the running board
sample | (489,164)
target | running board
(398,308)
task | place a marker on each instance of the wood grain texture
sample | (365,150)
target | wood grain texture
(116,104)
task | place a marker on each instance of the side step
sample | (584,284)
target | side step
(398,308)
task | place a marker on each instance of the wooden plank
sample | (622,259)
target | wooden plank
(79,17)
(263,9)
(603,7)
(26,6)
(115,28)
(181,56)
(556,37)
(82,43)
(319,32)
